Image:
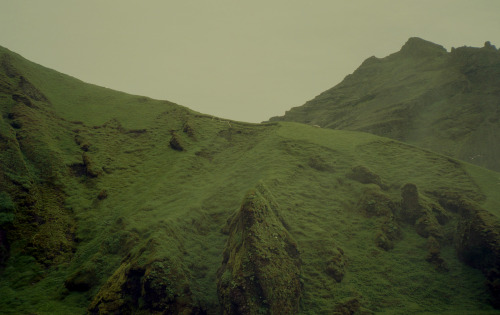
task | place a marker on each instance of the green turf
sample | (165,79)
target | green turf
(170,207)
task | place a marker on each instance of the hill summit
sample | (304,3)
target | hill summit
(448,102)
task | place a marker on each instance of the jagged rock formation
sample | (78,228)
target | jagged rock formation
(260,271)
(444,101)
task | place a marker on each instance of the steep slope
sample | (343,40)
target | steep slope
(448,102)
(148,207)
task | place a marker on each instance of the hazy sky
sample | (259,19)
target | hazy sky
(243,60)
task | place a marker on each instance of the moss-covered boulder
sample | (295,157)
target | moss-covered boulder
(376,203)
(145,283)
(176,142)
(363,175)
(260,272)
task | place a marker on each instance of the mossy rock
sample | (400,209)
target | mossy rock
(411,209)
(427,225)
(375,202)
(336,267)
(363,175)
(176,143)
(147,284)
(320,164)
(260,272)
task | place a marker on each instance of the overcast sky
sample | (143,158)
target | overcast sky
(242,60)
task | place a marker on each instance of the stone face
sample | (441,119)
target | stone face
(260,272)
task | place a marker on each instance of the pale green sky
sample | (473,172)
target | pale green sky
(243,60)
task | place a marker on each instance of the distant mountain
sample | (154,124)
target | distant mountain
(448,102)
(113,203)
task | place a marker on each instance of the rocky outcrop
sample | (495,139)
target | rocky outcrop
(363,175)
(86,168)
(375,203)
(411,209)
(145,283)
(260,272)
(478,244)
(418,48)
(425,215)
(476,235)
(176,143)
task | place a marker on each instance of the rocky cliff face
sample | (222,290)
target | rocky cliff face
(448,102)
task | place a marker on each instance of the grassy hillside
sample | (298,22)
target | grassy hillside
(113,203)
(448,102)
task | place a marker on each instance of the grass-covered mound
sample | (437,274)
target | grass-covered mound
(448,102)
(112,203)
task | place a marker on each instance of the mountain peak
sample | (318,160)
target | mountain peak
(417,47)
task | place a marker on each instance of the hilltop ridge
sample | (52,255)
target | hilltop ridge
(448,102)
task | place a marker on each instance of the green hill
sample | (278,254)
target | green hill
(114,203)
(448,102)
